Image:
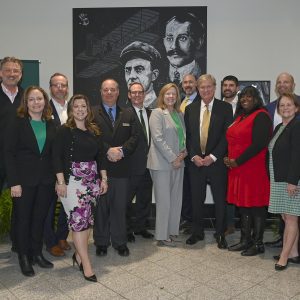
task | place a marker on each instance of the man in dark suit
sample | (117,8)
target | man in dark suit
(120,137)
(206,123)
(140,182)
(189,86)
(56,240)
(285,83)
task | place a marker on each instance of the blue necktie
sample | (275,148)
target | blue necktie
(111,117)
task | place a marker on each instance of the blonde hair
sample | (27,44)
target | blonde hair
(206,77)
(161,96)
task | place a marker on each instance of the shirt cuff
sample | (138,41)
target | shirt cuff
(213,157)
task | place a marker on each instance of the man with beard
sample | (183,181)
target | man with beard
(184,37)
(140,62)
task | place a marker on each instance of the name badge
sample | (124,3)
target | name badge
(126,124)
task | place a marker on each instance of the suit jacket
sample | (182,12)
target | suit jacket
(197,98)
(56,118)
(124,134)
(138,159)
(164,147)
(286,153)
(25,165)
(221,118)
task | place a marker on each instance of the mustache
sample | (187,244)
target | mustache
(175,52)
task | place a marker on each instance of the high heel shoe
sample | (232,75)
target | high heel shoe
(91,278)
(75,261)
(279,267)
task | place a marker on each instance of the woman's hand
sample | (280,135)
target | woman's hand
(177,162)
(292,190)
(103,187)
(230,163)
(61,190)
(16,191)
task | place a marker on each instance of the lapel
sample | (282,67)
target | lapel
(148,112)
(213,114)
(284,131)
(119,113)
(54,113)
(103,113)
(31,136)
(48,134)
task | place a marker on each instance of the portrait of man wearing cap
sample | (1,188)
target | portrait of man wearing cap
(140,62)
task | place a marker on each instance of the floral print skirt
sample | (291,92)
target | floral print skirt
(83,190)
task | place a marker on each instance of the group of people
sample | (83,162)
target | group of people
(103,157)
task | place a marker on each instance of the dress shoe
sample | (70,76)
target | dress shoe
(254,250)
(64,245)
(123,250)
(25,265)
(279,267)
(56,251)
(194,238)
(162,243)
(221,241)
(75,261)
(130,237)
(293,260)
(101,250)
(275,244)
(145,234)
(42,261)
(91,278)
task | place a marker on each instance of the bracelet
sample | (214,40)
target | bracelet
(60,182)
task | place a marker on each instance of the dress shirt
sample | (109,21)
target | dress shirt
(113,111)
(191,98)
(233,103)
(145,116)
(10,95)
(61,111)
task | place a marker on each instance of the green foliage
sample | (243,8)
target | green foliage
(5,212)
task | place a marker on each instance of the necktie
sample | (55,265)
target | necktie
(204,129)
(183,104)
(176,77)
(143,123)
(111,117)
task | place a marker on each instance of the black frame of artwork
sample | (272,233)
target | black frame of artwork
(263,86)
(101,35)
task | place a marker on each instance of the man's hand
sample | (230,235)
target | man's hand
(114,154)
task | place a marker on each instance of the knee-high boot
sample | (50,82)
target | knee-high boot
(245,241)
(258,234)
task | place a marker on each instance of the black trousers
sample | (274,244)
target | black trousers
(110,214)
(186,209)
(30,211)
(140,186)
(216,175)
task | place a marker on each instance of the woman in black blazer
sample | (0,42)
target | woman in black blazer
(30,175)
(284,165)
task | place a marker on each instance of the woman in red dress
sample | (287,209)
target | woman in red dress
(248,182)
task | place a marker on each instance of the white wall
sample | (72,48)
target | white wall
(254,39)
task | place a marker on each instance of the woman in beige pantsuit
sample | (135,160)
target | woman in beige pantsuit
(166,162)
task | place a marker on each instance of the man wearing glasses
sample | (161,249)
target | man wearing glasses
(140,182)
(120,137)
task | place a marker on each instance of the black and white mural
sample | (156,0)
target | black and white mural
(153,45)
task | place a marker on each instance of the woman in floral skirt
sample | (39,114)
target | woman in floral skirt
(78,159)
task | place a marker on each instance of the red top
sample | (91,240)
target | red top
(248,184)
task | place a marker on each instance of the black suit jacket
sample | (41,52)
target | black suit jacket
(56,118)
(286,153)
(124,134)
(197,98)
(221,118)
(139,157)
(24,163)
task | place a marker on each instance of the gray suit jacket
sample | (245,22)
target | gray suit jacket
(164,146)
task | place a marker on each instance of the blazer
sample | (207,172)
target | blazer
(164,147)
(55,116)
(138,159)
(221,118)
(123,134)
(24,163)
(286,153)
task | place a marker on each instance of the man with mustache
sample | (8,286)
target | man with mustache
(140,62)
(184,37)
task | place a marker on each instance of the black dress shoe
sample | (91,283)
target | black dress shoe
(222,244)
(194,238)
(41,261)
(279,267)
(101,250)
(92,278)
(25,265)
(275,244)
(145,234)
(123,250)
(293,260)
(130,237)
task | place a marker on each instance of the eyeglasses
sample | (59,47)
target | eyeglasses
(59,85)
(137,93)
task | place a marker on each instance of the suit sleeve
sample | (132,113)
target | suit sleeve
(58,149)
(158,138)
(101,158)
(294,166)
(131,143)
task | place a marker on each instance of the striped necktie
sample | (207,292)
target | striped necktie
(111,117)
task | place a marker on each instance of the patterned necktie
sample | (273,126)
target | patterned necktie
(143,123)
(184,103)
(176,77)
(111,117)
(204,129)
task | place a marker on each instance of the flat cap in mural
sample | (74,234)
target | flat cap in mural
(139,49)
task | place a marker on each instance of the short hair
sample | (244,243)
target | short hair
(134,83)
(250,91)
(292,97)
(11,59)
(164,89)
(206,77)
(89,124)
(22,111)
(231,78)
(189,74)
(57,74)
